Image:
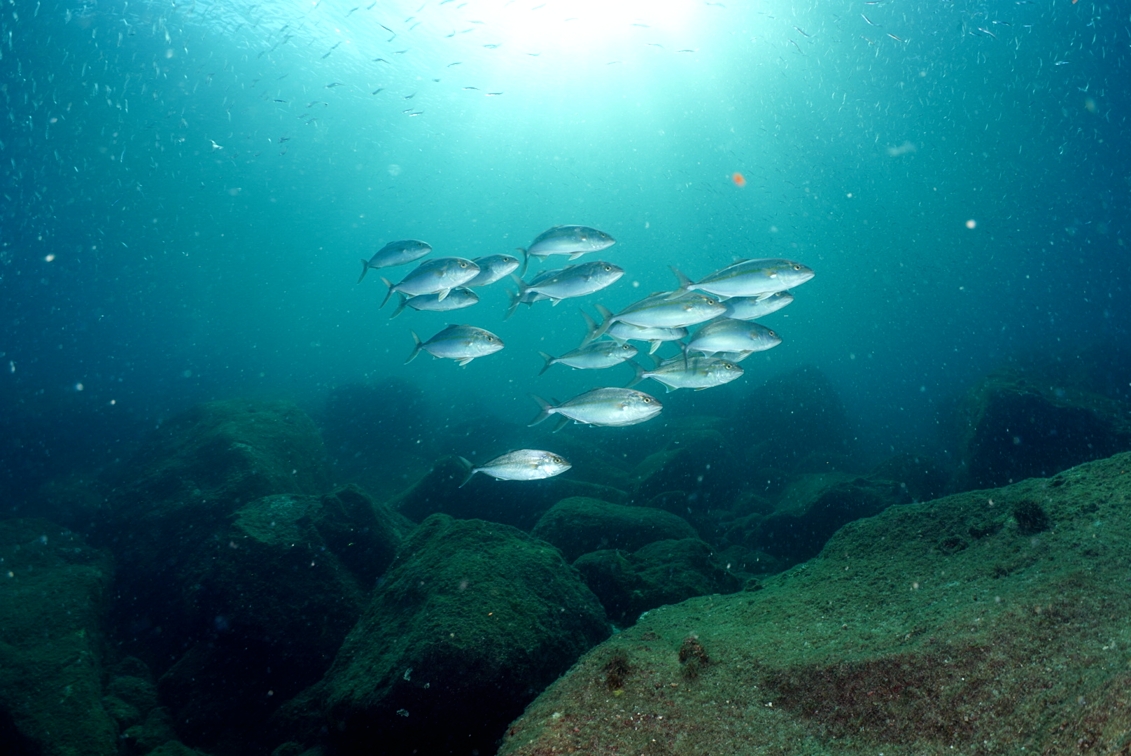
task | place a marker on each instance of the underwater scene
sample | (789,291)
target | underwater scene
(530,377)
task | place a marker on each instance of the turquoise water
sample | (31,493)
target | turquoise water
(188,189)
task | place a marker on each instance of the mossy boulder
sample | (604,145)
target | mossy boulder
(52,597)
(814,507)
(578,525)
(175,497)
(271,599)
(1019,427)
(469,624)
(664,572)
(699,463)
(890,641)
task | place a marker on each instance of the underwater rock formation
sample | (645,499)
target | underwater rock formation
(663,572)
(469,624)
(52,596)
(932,628)
(796,422)
(1020,427)
(578,525)
(272,596)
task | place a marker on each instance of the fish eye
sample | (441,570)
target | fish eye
(646,399)
(462,264)
(608,267)
(796,266)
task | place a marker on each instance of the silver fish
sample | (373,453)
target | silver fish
(749,278)
(627,332)
(613,407)
(665,310)
(456,299)
(461,343)
(693,372)
(437,276)
(752,308)
(573,281)
(493,268)
(594,356)
(569,240)
(726,335)
(395,253)
(524,464)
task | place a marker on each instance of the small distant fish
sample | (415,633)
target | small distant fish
(493,268)
(461,343)
(524,464)
(335,47)
(493,46)
(437,276)
(693,372)
(333,84)
(379,89)
(870,22)
(801,31)
(395,253)
(493,94)
(569,240)
(471,88)
(608,407)
(456,299)
(381,60)
(597,355)
(458,62)
(748,278)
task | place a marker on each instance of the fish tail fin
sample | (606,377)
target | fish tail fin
(685,283)
(416,349)
(550,360)
(525,260)
(364,270)
(597,330)
(400,306)
(389,293)
(638,377)
(545,409)
(470,472)
(515,296)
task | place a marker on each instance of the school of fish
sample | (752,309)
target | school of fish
(721,308)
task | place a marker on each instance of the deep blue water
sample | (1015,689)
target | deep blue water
(187,189)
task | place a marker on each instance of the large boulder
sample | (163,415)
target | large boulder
(578,525)
(270,600)
(52,596)
(795,422)
(470,623)
(1019,425)
(175,496)
(988,622)
(814,507)
(664,572)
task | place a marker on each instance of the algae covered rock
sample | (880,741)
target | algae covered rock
(814,507)
(578,525)
(274,597)
(1018,428)
(664,572)
(52,589)
(892,641)
(471,621)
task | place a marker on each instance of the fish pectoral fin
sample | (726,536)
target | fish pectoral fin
(464,361)
(442,294)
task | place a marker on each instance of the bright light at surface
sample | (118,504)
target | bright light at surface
(581,26)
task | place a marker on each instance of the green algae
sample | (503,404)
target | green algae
(890,641)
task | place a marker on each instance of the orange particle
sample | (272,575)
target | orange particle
(738,179)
